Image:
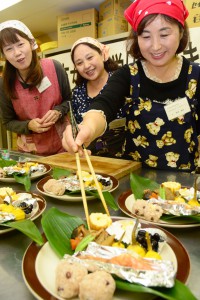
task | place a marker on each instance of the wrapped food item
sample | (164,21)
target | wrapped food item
(117,261)
(23,169)
(72,183)
(6,216)
(175,208)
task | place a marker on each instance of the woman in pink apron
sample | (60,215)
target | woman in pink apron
(33,92)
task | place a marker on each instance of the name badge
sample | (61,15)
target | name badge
(177,109)
(45,83)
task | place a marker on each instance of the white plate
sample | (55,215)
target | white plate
(125,203)
(35,175)
(38,269)
(72,197)
(38,210)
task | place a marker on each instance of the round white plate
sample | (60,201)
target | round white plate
(39,263)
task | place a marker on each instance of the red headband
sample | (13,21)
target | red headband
(141,8)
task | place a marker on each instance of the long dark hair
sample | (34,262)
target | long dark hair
(132,40)
(110,65)
(35,74)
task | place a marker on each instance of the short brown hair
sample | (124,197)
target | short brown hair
(132,40)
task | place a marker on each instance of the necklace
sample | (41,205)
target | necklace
(156,79)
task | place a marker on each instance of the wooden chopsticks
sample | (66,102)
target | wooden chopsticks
(75,130)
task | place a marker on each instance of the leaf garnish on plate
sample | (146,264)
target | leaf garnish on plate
(58,173)
(195,218)
(27,227)
(7,163)
(179,292)
(110,200)
(23,179)
(58,227)
(139,184)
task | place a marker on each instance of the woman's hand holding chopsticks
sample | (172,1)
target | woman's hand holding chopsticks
(77,136)
(75,145)
(93,126)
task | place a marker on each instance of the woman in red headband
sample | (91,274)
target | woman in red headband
(161,91)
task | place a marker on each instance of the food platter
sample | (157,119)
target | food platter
(125,203)
(38,210)
(35,175)
(72,197)
(39,263)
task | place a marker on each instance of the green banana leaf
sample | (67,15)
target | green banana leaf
(58,173)
(7,163)
(139,184)
(110,200)
(58,227)
(178,292)
(27,227)
(23,179)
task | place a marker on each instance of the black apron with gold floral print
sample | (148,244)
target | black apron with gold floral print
(155,140)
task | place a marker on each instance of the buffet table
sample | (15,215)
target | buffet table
(14,244)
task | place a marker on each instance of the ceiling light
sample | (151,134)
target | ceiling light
(7,3)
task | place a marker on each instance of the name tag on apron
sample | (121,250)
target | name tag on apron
(44,84)
(178,108)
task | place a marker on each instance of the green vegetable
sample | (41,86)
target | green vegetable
(162,193)
(84,242)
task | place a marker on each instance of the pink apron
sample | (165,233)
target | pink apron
(33,104)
